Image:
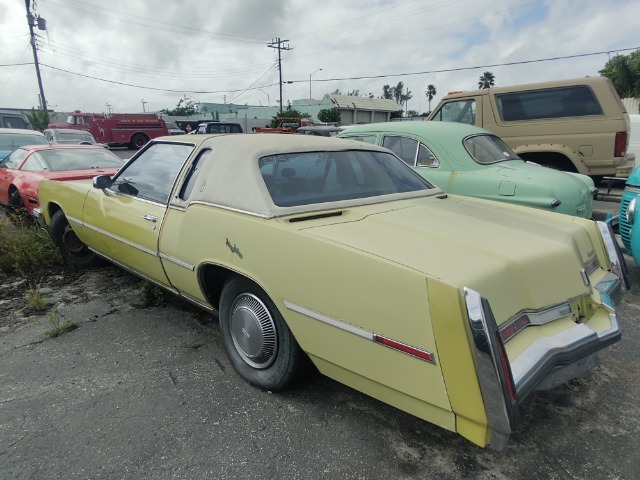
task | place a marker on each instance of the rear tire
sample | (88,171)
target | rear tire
(138,141)
(257,340)
(71,247)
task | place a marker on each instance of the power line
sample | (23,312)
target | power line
(459,69)
(362,77)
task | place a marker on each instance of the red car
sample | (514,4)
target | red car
(21,171)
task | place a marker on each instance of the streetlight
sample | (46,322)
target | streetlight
(268,97)
(318,70)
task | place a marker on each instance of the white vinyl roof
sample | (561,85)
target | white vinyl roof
(231,176)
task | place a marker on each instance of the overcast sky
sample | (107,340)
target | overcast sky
(124,52)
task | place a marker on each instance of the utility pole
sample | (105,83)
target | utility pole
(32,20)
(143,104)
(277,43)
(108,107)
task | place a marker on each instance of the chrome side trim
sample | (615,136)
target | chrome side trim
(347,327)
(492,372)
(231,209)
(396,345)
(137,246)
(178,262)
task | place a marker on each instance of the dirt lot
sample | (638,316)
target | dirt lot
(141,391)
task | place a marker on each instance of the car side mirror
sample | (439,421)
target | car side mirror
(102,181)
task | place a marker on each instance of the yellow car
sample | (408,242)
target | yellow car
(453,309)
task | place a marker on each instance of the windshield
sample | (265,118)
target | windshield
(74,137)
(10,141)
(319,177)
(76,159)
(486,149)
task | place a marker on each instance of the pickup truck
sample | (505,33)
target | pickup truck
(285,125)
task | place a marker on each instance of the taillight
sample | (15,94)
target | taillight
(621,144)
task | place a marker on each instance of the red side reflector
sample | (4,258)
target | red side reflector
(416,352)
(621,144)
(506,368)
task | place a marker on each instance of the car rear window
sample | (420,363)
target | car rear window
(573,101)
(486,149)
(319,177)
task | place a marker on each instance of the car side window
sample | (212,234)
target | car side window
(426,158)
(362,138)
(13,160)
(152,174)
(34,164)
(403,147)
(461,111)
(192,176)
(575,101)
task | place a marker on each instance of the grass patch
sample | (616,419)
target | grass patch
(151,293)
(27,250)
(35,299)
(56,326)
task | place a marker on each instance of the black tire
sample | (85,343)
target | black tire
(16,211)
(15,200)
(256,338)
(71,247)
(138,141)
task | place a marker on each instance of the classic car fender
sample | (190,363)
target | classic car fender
(456,361)
(339,314)
(546,148)
(68,196)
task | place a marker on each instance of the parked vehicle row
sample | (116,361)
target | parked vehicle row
(22,170)
(336,253)
(577,125)
(467,160)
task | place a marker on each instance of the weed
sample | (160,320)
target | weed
(151,293)
(27,250)
(56,326)
(35,299)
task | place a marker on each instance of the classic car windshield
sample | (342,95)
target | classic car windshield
(73,159)
(74,137)
(11,141)
(319,177)
(486,149)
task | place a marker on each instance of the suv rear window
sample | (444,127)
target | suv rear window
(575,101)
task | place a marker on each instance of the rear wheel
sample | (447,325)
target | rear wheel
(73,250)
(138,141)
(256,338)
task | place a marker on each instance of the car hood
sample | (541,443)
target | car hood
(516,257)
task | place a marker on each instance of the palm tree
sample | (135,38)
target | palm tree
(430,93)
(486,80)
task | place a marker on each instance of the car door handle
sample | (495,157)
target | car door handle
(150,218)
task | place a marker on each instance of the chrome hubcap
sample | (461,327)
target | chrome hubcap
(253,331)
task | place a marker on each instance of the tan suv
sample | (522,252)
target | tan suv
(577,125)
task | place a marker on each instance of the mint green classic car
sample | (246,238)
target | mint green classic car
(324,251)
(467,160)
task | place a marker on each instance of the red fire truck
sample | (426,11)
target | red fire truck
(130,129)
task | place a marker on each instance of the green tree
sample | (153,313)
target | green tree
(39,118)
(185,107)
(412,113)
(624,73)
(329,115)
(486,80)
(396,93)
(430,93)
(288,113)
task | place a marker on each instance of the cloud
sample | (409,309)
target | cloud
(121,52)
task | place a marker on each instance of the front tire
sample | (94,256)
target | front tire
(71,247)
(257,340)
